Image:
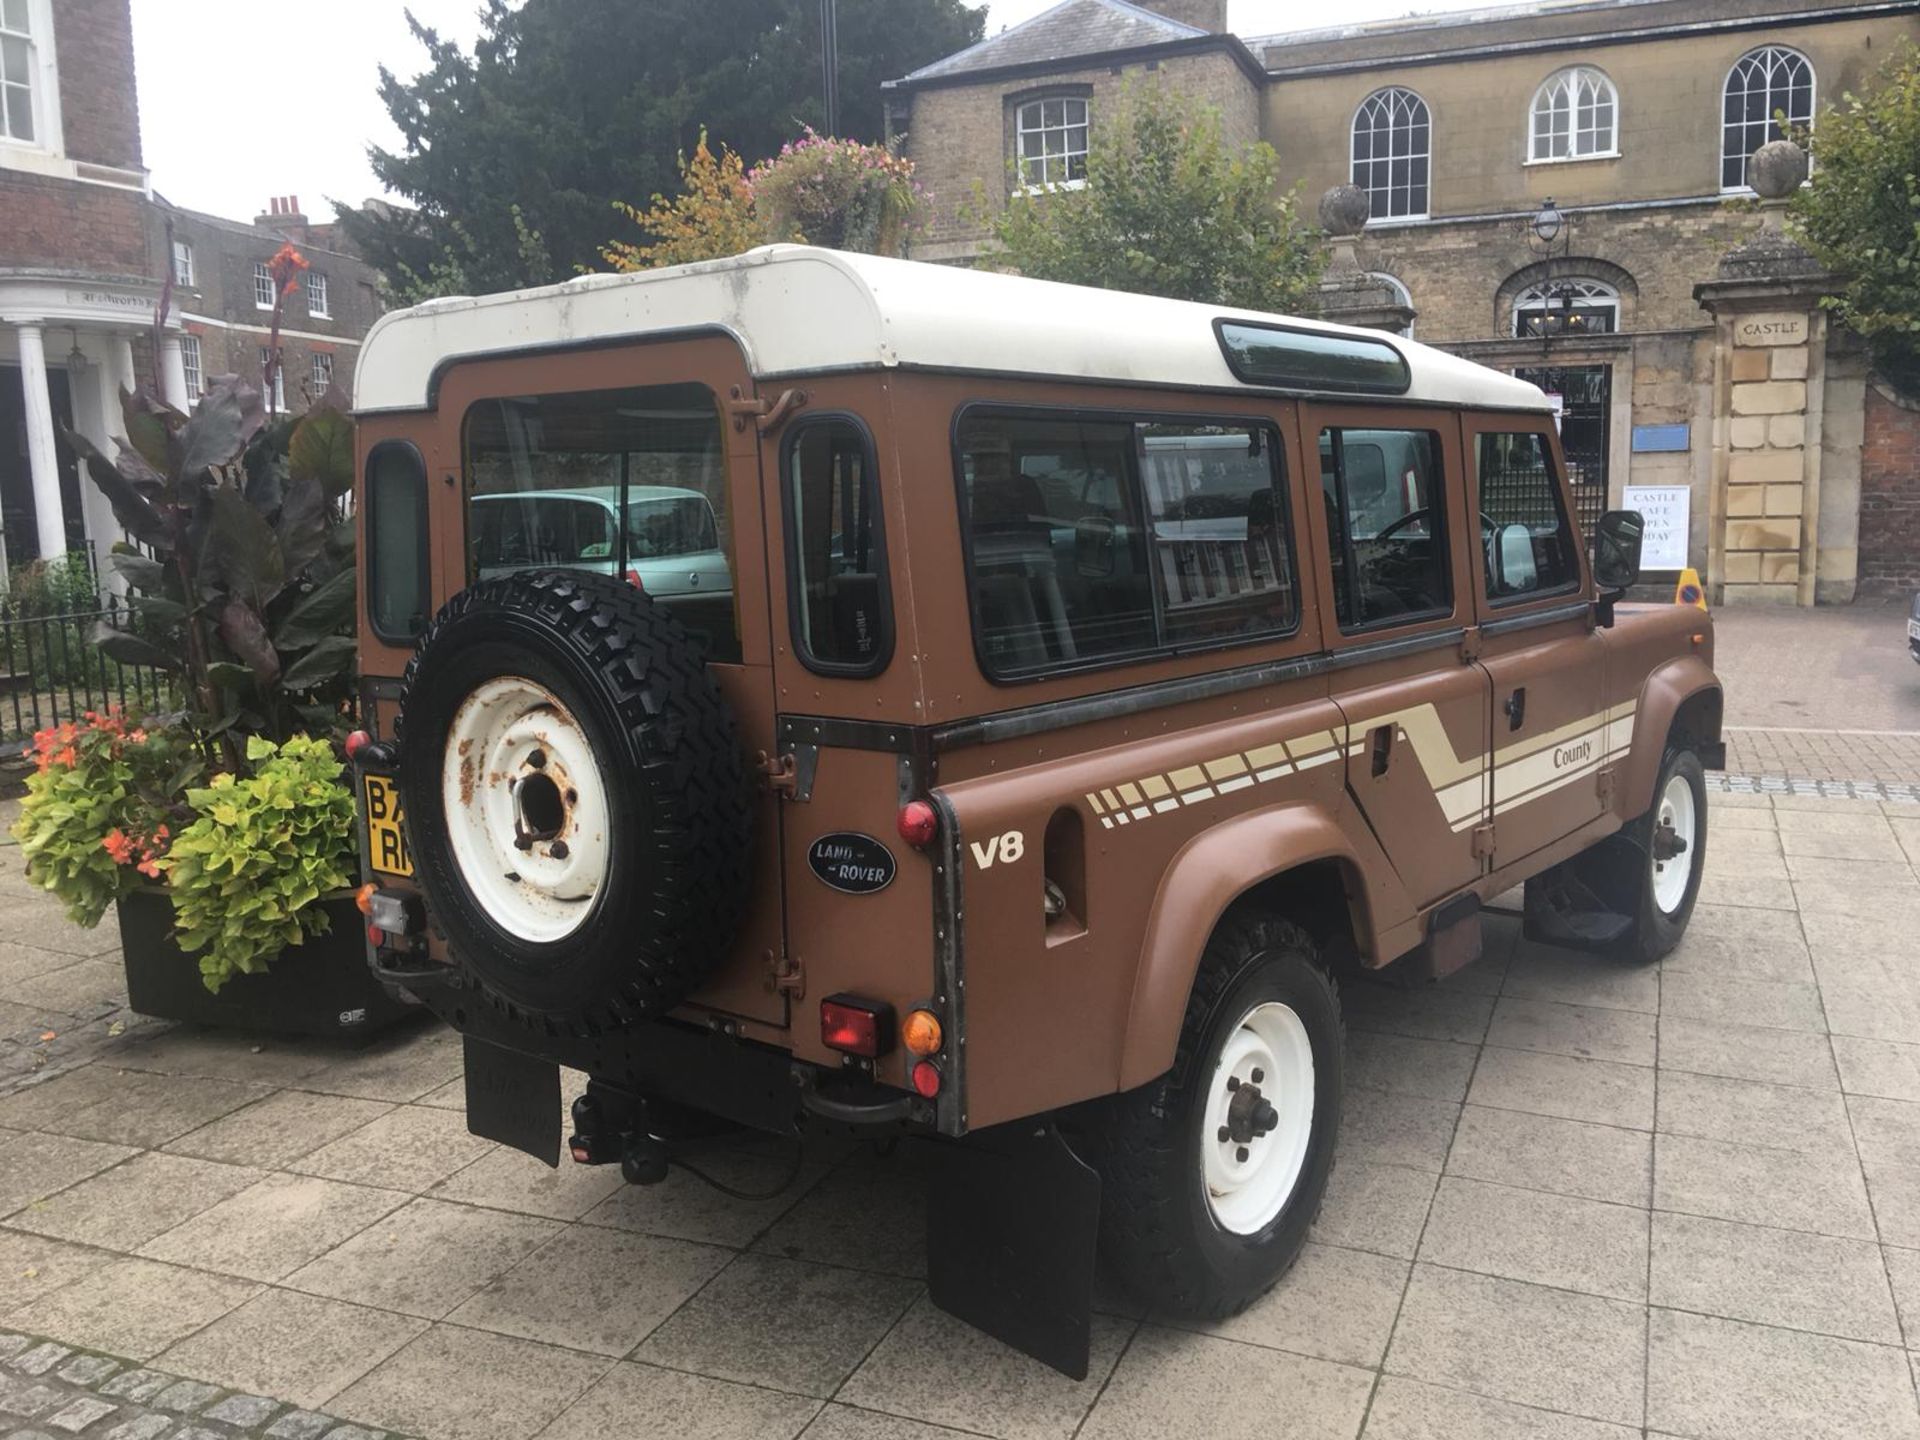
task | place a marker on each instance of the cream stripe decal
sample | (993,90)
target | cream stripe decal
(1523,771)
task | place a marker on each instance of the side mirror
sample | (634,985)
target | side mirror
(1513,555)
(1616,549)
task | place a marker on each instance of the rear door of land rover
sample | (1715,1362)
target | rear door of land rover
(620,422)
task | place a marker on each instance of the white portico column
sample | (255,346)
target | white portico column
(49,519)
(124,377)
(173,371)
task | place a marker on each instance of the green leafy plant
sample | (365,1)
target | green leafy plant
(261,850)
(96,815)
(1169,208)
(242,582)
(1861,214)
(839,193)
(712,216)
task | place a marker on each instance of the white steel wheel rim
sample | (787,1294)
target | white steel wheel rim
(1670,876)
(1270,1042)
(526,809)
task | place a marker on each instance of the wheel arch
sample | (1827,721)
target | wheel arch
(1293,858)
(1681,696)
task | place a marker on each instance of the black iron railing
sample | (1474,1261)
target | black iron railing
(52,672)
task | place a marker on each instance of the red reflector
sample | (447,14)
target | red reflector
(926,1078)
(855,1026)
(581,1154)
(633,579)
(356,742)
(376,937)
(917,822)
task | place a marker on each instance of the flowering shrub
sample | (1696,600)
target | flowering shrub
(94,820)
(712,216)
(261,850)
(839,193)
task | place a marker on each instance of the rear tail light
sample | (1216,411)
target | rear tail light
(376,937)
(920,1032)
(356,742)
(926,1079)
(917,823)
(856,1027)
(633,579)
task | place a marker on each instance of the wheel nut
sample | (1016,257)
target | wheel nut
(1258,1076)
(1241,1154)
(1233,1082)
(538,759)
(523,842)
(1225,1134)
(558,850)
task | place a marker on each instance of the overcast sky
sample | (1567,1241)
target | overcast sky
(240,101)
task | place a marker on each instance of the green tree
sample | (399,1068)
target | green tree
(565,106)
(1861,215)
(1169,208)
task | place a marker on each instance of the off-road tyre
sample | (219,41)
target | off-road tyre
(1157,1230)
(1656,929)
(680,822)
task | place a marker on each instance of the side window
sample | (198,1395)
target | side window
(398,594)
(628,482)
(1529,544)
(839,609)
(1386,523)
(1092,539)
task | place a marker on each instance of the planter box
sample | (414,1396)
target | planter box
(322,988)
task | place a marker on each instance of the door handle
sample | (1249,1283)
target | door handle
(1381,738)
(1516,708)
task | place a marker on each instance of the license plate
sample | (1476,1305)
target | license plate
(386,839)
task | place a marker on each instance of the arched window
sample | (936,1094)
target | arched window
(1392,146)
(1567,307)
(1050,138)
(1401,295)
(1768,82)
(1576,114)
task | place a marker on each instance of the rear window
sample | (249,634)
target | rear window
(839,608)
(396,542)
(1092,540)
(630,483)
(1310,360)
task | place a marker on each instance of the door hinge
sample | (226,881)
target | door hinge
(1603,782)
(790,774)
(767,415)
(1470,645)
(787,976)
(1483,842)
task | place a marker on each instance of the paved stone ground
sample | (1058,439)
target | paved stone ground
(1572,1201)
(1878,757)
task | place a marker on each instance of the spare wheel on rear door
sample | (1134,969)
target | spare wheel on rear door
(575,798)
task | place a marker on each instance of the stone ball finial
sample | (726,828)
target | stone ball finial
(1777,169)
(1344,210)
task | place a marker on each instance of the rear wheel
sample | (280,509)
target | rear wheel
(1213,1173)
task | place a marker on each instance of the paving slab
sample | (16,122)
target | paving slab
(1772,1277)
(135,1308)
(1171,1382)
(1334,1304)
(690,1407)
(1544,1152)
(1555,1240)
(457,1384)
(300,1348)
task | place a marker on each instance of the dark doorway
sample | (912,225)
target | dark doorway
(18,516)
(1586,398)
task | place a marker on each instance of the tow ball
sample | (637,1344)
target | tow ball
(600,1139)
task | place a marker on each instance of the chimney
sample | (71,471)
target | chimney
(283,213)
(1202,14)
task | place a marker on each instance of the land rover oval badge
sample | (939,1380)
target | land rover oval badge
(850,862)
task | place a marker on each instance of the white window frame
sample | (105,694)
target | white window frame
(1589,295)
(321,373)
(43,81)
(183,263)
(1390,101)
(263,277)
(317,289)
(1726,87)
(1041,129)
(277,401)
(191,366)
(1571,93)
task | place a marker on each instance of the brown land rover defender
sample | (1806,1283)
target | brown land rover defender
(826,694)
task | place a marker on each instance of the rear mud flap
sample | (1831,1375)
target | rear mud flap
(514,1099)
(1012,1217)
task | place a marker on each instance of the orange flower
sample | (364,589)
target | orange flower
(285,267)
(116,844)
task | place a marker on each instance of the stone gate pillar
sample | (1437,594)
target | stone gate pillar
(1348,294)
(1769,394)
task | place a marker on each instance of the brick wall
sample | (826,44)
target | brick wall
(1890,493)
(99,109)
(70,226)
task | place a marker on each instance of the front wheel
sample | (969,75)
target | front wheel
(1213,1173)
(1670,844)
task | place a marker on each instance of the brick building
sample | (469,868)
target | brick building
(83,252)
(1631,121)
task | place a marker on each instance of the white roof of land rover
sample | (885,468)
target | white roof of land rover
(798,310)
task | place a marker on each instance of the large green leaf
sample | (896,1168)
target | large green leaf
(322,449)
(151,425)
(130,507)
(326,610)
(326,661)
(219,429)
(229,676)
(246,636)
(302,527)
(141,572)
(242,551)
(130,649)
